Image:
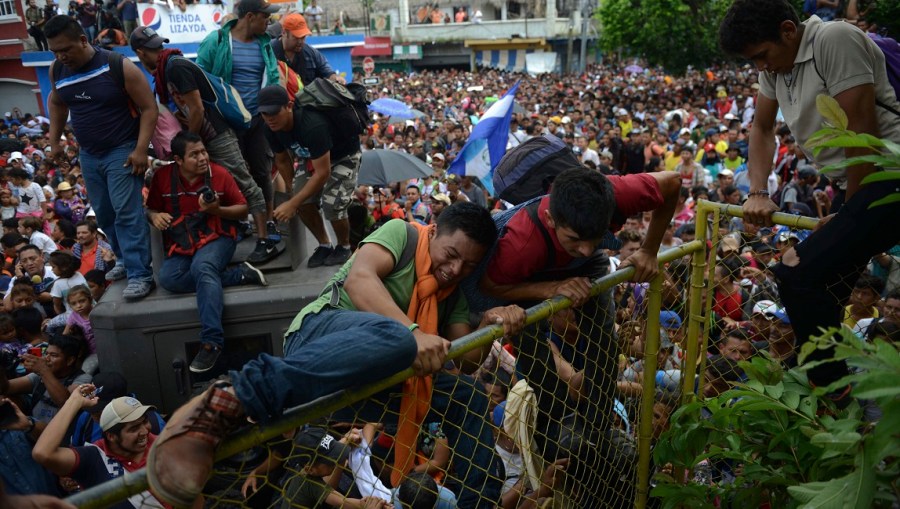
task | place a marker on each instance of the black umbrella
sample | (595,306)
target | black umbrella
(381,167)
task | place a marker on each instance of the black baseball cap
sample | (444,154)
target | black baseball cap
(318,446)
(272,99)
(146,37)
(248,6)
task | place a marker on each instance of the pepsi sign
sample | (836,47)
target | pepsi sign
(192,25)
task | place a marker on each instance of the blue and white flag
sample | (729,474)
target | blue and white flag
(487,143)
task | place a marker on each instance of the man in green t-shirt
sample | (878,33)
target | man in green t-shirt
(358,332)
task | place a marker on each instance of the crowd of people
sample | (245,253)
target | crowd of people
(645,148)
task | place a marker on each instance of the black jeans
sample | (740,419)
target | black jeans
(815,291)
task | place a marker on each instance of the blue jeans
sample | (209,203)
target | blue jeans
(117,200)
(206,274)
(337,349)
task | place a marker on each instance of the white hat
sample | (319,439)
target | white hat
(621,112)
(8,114)
(566,120)
(683,131)
(15,156)
(762,306)
(122,410)
(728,116)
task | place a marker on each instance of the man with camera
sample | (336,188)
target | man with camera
(197,206)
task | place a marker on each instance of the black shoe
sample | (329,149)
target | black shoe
(272,231)
(319,256)
(206,358)
(338,256)
(250,275)
(265,250)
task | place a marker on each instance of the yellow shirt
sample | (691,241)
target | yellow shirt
(850,322)
(626,128)
(672,160)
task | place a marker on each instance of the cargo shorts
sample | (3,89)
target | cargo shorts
(337,194)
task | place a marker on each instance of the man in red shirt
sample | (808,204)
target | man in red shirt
(89,248)
(577,219)
(197,204)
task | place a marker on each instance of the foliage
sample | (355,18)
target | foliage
(886,14)
(674,34)
(885,153)
(786,442)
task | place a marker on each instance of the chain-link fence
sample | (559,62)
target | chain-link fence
(565,415)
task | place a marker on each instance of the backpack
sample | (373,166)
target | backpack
(289,80)
(346,106)
(891,50)
(116,62)
(527,170)
(227,100)
(167,126)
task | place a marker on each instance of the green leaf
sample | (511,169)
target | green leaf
(893,147)
(775,390)
(881,176)
(884,162)
(791,399)
(885,385)
(808,407)
(887,200)
(831,111)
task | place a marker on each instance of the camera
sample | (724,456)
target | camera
(207,194)
(9,360)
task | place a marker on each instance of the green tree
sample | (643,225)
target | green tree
(672,33)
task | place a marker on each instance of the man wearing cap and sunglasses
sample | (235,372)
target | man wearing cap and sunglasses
(240,54)
(123,448)
(308,62)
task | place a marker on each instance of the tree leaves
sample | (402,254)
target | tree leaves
(831,111)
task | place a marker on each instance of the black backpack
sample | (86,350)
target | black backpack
(527,171)
(346,105)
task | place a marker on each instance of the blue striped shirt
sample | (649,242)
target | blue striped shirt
(248,71)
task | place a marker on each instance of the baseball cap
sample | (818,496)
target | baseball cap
(778,312)
(272,99)
(15,156)
(556,120)
(683,131)
(248,6)
(146,37)
(296,25)
(762,307)
(807,171)
(709,147)
(669,320)
(606,154)
(721,94)
(726,172)
(452,177)
(122,410)
(622,112)
(439,156)
(113,385)
(320,447)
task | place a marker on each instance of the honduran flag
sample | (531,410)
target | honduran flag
(487,143)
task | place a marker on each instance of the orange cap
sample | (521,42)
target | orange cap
(296,25)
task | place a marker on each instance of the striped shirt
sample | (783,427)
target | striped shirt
(248,71)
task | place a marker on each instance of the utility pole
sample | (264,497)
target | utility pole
(586,13)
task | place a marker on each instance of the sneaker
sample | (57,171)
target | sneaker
(205,359)
(265,250)
(137,290)
(250,275)
(244,230)
(319,256)
(272,231)
(338,256)
(181,459)
(116,273)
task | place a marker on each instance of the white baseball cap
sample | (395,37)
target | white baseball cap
(15,156)
(122,410)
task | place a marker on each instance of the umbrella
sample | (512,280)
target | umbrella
(418,113)
(380,167)
(391,108)
(634,68)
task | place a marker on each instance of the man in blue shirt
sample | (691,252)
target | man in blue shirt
(305,60)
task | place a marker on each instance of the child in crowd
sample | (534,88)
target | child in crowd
(32,229)
(81,303)
(22,296)
(29,194)
(96,282)
(65,266)
(7,204)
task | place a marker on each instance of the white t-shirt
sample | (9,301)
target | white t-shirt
(30,198)
(42,241)
(62,286)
